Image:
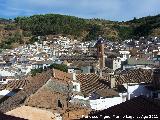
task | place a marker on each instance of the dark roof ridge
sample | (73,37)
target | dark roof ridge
(151,100)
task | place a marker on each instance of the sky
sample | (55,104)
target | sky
(117,10)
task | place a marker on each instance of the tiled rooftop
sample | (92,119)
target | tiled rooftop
(36,82)
(63,76)
(91,83)
(15,84)
(45,98)
(134,76)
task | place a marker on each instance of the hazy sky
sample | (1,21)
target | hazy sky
(119,10)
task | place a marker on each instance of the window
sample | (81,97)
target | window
(75,87)
(59,104)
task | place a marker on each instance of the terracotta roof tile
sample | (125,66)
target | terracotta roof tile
(134,76)
(36,82)
(91,83)
(15,84)
(60,75)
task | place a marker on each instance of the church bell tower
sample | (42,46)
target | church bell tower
(100,54)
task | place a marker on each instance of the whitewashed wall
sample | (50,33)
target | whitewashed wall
(77,87)
(86,69)
(101,104)
(116,64)
(71,70)
(6,92)
(137,90)
(6,73)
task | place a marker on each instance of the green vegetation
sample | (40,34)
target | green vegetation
(15,38)
(145,26)
(69,25)
(94,32)
(61,24)
(32,40)
(52,24)
(35,71)
(10,27)
(60,67)
(81,29)
(124,32)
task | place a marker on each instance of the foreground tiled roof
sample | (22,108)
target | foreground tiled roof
(48,95)
(45,98)
(36,82)
(134,76)
(91,83)
(136,107)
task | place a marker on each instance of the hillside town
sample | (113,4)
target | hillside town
(103,78)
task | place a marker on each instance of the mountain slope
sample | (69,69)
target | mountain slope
(79,28)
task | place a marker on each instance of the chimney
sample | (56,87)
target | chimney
(74,76)
(112,81)
(100,73)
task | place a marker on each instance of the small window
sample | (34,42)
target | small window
(59,104)
(74,87)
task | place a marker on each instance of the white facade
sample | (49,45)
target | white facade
(76,86)
(80,97)
(86,69)
(3,81)
(125,55)
(71,70)
(116,64)
(101,104)
(6,93)
(6,73)
(136,90)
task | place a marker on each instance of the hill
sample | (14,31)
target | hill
(15,31)
(84,29)
(146,26)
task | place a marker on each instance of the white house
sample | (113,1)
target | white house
(117,63)
(125,54)
(104,103)
(75,83)
(137,89)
